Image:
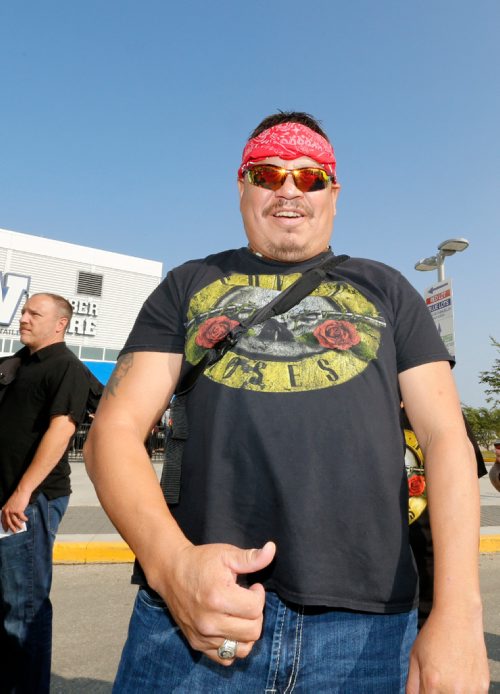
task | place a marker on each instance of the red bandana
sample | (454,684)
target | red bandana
(289,141)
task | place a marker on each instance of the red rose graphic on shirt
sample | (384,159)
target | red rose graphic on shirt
(416,485)
(337,334)
(213,330)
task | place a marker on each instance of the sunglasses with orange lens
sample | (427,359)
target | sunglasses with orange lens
(307,179)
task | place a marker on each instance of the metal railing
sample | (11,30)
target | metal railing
(155,443)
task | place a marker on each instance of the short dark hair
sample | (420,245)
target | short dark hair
(289,117)
(64,308)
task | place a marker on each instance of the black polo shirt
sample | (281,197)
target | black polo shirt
(50,382)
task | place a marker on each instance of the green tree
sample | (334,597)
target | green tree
(492,378)
(484,422)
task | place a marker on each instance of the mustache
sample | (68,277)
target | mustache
(289,205)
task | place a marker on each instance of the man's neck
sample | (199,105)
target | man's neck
(281,260)
(33,350)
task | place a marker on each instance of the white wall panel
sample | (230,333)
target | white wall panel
(127,282)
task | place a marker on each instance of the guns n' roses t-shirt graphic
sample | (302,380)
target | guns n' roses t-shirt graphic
(325,340)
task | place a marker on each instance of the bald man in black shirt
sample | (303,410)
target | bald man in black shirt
(39,412)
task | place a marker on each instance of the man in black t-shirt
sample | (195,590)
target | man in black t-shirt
(295,449)
(39,412)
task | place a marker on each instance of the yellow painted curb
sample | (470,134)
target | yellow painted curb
(92,552)
(120,553)
(489,543)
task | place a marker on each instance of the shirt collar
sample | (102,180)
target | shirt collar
(49,351)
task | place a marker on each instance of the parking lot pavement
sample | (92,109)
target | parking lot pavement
(92,606)
(490,583)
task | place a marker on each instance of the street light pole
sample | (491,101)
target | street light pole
(439,298)
(440,266)
(436,262)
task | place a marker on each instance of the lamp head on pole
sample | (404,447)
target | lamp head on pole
(427,264)
(453,246)
(445,249)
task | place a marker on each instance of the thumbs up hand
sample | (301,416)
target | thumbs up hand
(201,591)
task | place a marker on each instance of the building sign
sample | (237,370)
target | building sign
(439,300)
(84,317)
(14,288)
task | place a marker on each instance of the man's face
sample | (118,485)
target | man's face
(41,323)
(497,453)
(286,224)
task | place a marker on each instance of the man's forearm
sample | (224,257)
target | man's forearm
(49,452)
(454,506)
(127,486)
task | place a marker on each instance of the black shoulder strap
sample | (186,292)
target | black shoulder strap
(281,303)
(8,371)
(171,473)
(294,294)
(9,367)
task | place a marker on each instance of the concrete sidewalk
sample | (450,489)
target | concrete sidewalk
(86,535)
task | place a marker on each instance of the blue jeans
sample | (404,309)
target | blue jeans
(301,650)
(25,607)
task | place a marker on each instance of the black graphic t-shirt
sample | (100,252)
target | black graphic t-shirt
(294,435)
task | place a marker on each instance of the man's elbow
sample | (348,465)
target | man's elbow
(88,453)
(104,436)
(90,448)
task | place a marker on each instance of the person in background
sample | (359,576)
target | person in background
(495,468)
(286,558)
(420,526)
(39,413)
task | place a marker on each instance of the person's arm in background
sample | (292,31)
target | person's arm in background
(481,467)
(197,583)
(449,654)
(49,452)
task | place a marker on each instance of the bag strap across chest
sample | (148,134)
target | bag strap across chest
(179,430)
(281,303)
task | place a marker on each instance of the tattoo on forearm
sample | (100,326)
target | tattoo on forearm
(123,365)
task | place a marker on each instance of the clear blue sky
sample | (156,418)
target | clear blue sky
(123,121)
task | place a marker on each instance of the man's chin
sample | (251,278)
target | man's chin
(289,252)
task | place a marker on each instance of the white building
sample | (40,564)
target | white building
(106,290)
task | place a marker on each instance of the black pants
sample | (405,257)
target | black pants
(421,544)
